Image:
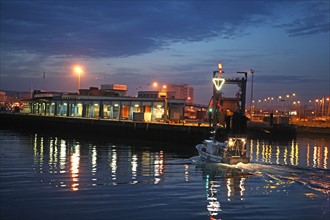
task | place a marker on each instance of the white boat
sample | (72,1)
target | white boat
(232,151)
(212,150)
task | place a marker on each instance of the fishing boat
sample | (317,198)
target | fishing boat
(212,150)
(232,151)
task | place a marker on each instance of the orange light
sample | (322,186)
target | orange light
(155,84)
(77,69)
(164,86)
(220,68)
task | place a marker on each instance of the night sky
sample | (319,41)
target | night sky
(138,42)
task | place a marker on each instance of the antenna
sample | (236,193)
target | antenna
(43,81)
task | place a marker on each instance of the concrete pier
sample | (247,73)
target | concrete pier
(110,128)
(128,129)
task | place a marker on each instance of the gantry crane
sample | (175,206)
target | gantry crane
(214,103)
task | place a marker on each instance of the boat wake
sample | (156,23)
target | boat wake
(276,175)
(313,178)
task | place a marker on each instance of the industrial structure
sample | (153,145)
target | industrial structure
(217,111)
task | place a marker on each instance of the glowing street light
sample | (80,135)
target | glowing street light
(220,68)
(155,84)
(78,70)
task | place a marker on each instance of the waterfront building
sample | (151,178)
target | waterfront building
(182,91)
(106,90)
(230,103)
(94,103)
(11,99)
(156,94)
(119,89)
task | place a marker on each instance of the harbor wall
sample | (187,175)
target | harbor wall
(175,133)
(110,128)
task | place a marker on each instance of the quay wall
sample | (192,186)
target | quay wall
(110,128)
(314,130)
(171,133)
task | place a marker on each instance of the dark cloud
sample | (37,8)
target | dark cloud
(116,29)
(285,79)
(124,28)
(38,36)
(314,19)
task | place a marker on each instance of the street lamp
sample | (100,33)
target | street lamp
(78,70)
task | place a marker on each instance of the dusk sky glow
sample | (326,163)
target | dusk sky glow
(287,43)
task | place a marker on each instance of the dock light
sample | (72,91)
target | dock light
(78,70)
(155,84)
(218,82)
(220,68)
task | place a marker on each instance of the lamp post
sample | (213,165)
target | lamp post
(78,70)
(316,107)
(251,109)
(328,112)
(164,90)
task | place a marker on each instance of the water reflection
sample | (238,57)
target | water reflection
(299,153)
(113,163)
(84,165)
(109,164)
(75,159)
(87,169)
(221,182)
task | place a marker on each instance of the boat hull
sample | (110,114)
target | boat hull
(207,157)
(236,160)
(231,152)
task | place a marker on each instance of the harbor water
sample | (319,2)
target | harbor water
(51,176)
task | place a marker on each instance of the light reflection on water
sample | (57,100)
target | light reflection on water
(156,180)
(65,157)
(299,153)
(222,182)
